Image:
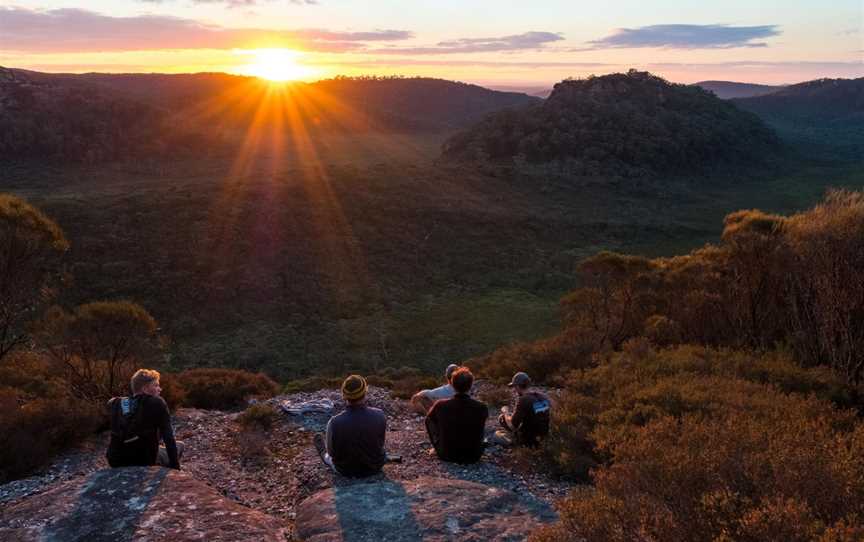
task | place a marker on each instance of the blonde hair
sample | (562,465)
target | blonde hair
(142,377)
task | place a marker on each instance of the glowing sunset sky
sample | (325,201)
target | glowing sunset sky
(492,43)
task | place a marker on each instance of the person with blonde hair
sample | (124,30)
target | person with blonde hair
(139,422)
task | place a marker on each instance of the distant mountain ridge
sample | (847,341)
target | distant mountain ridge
(631,124)
(821,98)
(823,118)
(42,113)
(726,90)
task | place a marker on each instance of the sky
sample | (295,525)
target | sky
(500,43)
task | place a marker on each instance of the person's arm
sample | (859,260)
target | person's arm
(166,430)
(433,428)
(522,407)
(328,437)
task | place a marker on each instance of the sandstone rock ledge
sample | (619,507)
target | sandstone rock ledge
(427,509)
(136,503)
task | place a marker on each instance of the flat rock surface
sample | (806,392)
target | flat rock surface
(135,503)
(275,471)
(427,509)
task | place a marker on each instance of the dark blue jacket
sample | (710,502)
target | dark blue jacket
(355,440)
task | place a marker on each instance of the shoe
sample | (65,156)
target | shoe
(320,447)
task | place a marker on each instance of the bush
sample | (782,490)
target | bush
(223,388)
(258,416)
(99,345)
(542,360)
(772,280)
(38,415)
(703,444)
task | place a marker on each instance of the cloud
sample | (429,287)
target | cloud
(79,30)
(516,42)
(687,36)
(237,3)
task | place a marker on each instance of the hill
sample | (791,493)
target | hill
(632,124)
(98,117)
(726,90)
(824,117)
(66,119)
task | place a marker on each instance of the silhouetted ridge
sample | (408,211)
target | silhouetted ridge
(822,118)
(63,118)
(624,124)
(819,99)
(96,117)
(726,90)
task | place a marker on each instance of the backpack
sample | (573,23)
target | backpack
(129,420)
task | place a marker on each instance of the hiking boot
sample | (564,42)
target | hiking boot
(320,447)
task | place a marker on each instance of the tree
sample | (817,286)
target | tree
(615,297)
(31,251)
(99,344)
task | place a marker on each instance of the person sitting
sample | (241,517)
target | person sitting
(424,399)
(456,426)
(529,423)
(139,422)
(354,442)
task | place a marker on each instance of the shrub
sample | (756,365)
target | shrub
(223,388)
(38,415)
(791,280)
(172,390)
(99,345)
(260,416)
(542,360)
(702,444)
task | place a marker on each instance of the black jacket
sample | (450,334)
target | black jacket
(135,436)
(355,440)
(531,418)
(456,427)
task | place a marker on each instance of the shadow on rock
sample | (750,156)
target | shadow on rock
(110,505)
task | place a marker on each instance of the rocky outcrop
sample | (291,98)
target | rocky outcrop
(137,503)
(428,509)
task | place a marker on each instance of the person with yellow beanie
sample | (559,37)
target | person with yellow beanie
(354,442)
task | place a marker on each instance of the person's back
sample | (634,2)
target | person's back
(355,438)
(461,422)
(456,426)
(138,423)
(531,417)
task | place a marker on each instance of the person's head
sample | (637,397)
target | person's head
(448,372)
(354,389)
(520,383)
(462,380)
(146,381)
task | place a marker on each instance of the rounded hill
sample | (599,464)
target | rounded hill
(626,124)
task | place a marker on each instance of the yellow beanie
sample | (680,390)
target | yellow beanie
(354,388)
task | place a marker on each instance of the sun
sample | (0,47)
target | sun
(275,65)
